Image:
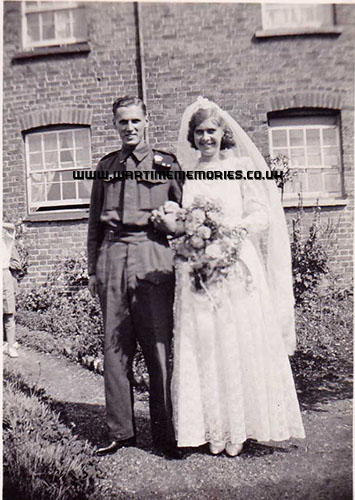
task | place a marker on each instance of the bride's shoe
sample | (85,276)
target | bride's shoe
(216,448)
(233,450)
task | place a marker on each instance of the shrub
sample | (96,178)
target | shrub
(310,259)
(324,356)
(65,319)
(280,165)
(42,459)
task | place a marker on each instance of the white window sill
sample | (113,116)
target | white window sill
(322,30)
(315,202)
(58,215)
(72,48)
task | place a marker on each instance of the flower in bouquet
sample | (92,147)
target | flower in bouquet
(214,251)
(197,242)
(210,247)
(204,232)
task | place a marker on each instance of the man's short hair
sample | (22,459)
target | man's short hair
(122,102)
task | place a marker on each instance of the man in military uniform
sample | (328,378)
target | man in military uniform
(131,268)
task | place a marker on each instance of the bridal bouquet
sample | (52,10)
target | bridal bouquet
(210,247)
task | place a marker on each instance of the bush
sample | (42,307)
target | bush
(42,459)
(310,259)
(324,356)
(65,319)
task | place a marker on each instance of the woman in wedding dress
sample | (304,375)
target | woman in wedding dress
(232,378)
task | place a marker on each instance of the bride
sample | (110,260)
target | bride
(232,378)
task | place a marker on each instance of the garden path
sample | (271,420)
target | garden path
(318,468)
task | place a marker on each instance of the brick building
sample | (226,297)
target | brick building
(285,72)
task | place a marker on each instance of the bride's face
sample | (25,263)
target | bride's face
(208,136)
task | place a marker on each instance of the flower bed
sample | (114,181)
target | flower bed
(42,459)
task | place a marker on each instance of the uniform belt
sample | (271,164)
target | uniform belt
(117,233)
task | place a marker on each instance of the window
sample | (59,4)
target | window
(286,15)
(53,23)
(312,145)
(51,157)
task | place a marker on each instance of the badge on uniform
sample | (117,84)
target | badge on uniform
(161,161)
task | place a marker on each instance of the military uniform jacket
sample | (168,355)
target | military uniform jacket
(110,206)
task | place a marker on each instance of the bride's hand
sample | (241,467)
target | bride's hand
(164,222)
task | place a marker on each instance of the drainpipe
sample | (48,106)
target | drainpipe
(142,89)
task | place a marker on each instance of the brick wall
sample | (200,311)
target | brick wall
(189,49)
(72,81)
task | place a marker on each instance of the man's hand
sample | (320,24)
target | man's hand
(92,285)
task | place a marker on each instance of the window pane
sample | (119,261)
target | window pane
(66,156)
(298,158)
(296,137)
(313,137)
(63,24)
(300,182)
(280,151)
(35,161)
(332,182)
(54,192)
(279,138)
(67,176)
(33,33)
(314,157)
(79,23)
(66,140)
(50,141)
(38,192)
(84,190)
(315,180)
(329,136)
(51,160)
(47,25)
(69,190)
(331,157)
(34,142)
(82,157)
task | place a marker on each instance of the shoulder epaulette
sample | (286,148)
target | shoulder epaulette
(163,159)
(109,155)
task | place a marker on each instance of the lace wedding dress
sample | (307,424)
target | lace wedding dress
(232,378)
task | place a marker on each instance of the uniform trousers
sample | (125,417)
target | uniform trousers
(135,309)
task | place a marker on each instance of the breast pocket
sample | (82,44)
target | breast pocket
(112,194)
(153,194)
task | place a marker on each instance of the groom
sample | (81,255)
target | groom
(131,269)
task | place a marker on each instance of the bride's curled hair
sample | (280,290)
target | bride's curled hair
(200,116)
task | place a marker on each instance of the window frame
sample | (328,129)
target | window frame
(51,206)
(55,7)
(329,22)
(325,195)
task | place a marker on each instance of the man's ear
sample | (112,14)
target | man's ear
(146,120)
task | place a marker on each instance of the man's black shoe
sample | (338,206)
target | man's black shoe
(173,453)
(114,446)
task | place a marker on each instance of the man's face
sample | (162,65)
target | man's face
(130,123)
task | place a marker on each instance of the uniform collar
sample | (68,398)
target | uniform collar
(139,152)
